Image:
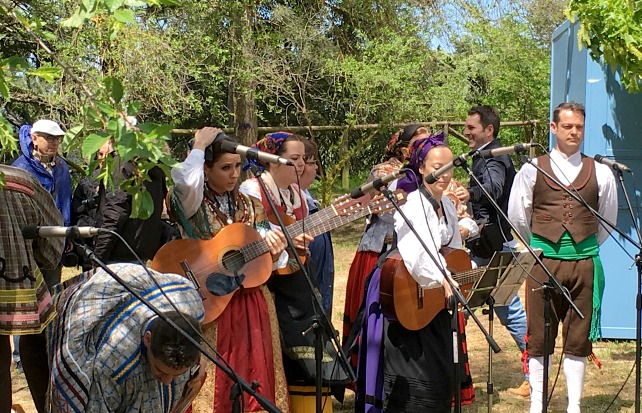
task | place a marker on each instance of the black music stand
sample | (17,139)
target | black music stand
(498,285)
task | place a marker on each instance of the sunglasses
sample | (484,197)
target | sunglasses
(51,138)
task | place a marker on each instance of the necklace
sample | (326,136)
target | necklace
(224,213)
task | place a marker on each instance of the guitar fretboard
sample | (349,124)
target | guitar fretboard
(321,222)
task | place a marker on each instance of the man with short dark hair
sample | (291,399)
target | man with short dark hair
(25,302)
(569,235)
(112,353)
(496,176)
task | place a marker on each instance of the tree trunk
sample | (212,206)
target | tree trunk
(243,85)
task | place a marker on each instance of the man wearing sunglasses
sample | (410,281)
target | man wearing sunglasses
(39,145)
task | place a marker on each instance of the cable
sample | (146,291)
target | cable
(171,303)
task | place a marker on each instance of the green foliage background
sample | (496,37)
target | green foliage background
(186,64)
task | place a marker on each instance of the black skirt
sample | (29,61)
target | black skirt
(418,372)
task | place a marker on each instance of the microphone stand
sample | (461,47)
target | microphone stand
(320,322)
(548,287)
(638,296)
(638,262)
(456,293)
(250,389)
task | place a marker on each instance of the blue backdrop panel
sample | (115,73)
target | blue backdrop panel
(613,129)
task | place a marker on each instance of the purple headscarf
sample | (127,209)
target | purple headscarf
(418,152)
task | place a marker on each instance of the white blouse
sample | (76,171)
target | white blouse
(436,232)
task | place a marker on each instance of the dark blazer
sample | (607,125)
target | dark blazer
(496,176)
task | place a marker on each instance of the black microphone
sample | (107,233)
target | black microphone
(458,161)
(33,232)
(620,167)
(505,150)
(251,153)
(377,183)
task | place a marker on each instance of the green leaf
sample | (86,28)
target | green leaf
(113,5)
(89,5)
(134,108)
(15,62)
(124,15)
(114,87)
(76,19)
(47,73)
(142,204)
(106,108)
(4,88)
(92,143)
(8,142)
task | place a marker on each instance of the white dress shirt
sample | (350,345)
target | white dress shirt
(565,169)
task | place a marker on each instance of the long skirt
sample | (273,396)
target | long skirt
(407,371)
(363,264)
(246,334)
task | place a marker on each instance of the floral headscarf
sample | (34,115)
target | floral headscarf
(270,143)
(418,152)
(402,137)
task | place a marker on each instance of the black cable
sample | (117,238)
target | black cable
(235,377)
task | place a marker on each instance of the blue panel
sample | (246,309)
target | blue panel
(613,129)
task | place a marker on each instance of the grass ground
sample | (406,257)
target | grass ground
(600,388)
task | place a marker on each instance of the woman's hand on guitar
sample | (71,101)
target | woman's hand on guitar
(448,292)
(276,243)
(302,241)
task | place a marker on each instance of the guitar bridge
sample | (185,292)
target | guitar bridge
(190,276)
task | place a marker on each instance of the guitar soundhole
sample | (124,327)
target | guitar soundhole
(233,261)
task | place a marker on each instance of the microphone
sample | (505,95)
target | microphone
(505,150)
(458,161)
(620,167)
(33,232)
(251,153)
(377,183)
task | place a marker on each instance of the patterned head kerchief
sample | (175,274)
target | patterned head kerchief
(270,144)
(402,137)
(393,142)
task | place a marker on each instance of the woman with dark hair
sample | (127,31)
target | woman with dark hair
(292,295)
(205,199)
(402,370)
(377,236)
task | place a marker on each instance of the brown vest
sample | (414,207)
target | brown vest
(555,211)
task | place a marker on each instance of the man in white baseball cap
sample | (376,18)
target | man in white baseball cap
(39,145)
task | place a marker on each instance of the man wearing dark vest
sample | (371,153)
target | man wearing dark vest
(569,236)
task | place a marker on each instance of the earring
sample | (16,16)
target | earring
(205,176)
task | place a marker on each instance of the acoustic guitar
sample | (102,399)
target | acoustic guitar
(240,253)
(414,306)
(328,219)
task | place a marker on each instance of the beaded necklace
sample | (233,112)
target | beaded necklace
(225,214)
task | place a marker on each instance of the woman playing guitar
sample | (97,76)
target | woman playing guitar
(292,295)
(415,372)
(204,201)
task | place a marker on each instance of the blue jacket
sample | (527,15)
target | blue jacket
(58,184)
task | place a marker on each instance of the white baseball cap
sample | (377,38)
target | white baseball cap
(47,126)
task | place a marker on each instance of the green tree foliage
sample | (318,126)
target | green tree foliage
(612,32)
(247,63)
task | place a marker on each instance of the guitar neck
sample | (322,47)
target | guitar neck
(325,220)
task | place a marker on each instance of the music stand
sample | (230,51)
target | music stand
(498,285)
